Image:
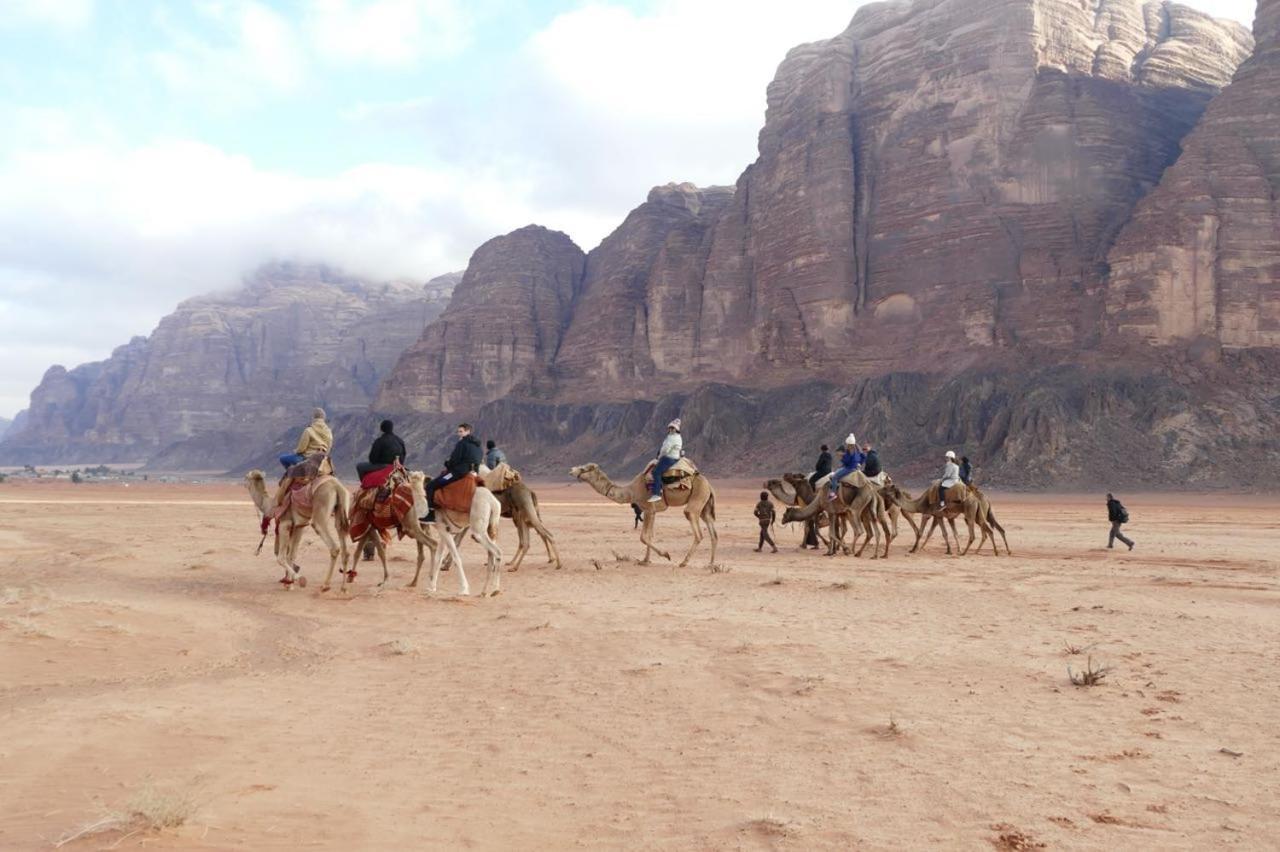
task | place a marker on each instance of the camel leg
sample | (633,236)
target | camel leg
(291,566)
(968,519)
(522,547)
(449,551)
(711,530)
(493,565)
(996,524)
(695,526)
(548,541)
(646,536)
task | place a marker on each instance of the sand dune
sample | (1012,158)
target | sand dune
(790,701)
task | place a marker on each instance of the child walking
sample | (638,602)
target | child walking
(766,515)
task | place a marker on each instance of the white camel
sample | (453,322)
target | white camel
(481,521)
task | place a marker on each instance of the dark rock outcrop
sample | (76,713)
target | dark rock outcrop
(223,373)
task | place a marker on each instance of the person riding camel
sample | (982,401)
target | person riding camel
(871,465)
(950,477)
(493,456)
(316,438)
(966,471)
(465,459)
(822,467)
(670,453)
(387,449)
(851,460)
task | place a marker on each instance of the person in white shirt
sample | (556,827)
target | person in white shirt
(950,476)
(672,450)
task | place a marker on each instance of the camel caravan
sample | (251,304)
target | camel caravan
(837,508)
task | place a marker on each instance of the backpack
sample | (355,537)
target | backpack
(1122,513)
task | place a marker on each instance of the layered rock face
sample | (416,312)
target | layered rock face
(502,328)
(937,189)
(223,373)
(1201,258)
(5,423)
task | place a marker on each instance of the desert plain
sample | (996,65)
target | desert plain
(150,664)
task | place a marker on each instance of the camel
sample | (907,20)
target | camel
(425,537)
(800,496)
(984,511)
(923,506)
(859,500)
(481,521)
(520,504)
(698,503)
(330,514)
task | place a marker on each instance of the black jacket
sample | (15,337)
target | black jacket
(966,473)
(1116,513)
(823,467)
(386,449)
(466,457)
(871,467)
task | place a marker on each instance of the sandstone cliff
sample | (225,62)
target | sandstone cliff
(1200,260)
(225,373)
(501,329)
(936,189)
(5,423)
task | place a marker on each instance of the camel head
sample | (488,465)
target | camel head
(791,515)
(583,470)
(892,493)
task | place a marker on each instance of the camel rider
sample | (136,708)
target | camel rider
(950,476)
(850,460)
(822,467)
(465,458)
(493,456)
(670,453)
(871,466)
(316,438)
(966,471)
(387,449)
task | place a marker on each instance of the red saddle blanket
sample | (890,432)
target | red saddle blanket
(382,512)
(456,496)
(377,478)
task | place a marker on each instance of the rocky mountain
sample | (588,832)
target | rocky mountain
(223,374)
(5,423)
(949,173)
(1200,260)
(935,247)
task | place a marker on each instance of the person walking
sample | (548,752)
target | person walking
(1117,514)
(766,515)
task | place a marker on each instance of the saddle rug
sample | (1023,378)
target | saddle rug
(456,496)
(382,508)
(676,477)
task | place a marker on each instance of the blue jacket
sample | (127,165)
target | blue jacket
(852,460)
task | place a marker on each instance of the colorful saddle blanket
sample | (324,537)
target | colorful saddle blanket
(456,496)
(384,508)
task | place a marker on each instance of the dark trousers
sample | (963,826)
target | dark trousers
(664,464)
(765,538)
(1116,534)
(363,469)
(811,534)
(434,485)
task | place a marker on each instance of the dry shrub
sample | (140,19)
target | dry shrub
(840,587)
(400,647)
(720,568)
(1075,650)
(153,808)
(1011,839)
(1090,675)
(620,557)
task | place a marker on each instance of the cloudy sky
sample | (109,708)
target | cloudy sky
(155,149)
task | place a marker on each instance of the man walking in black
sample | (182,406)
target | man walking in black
(1117,514)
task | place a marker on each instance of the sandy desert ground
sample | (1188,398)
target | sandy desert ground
(150,660)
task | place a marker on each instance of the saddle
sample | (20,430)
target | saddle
(500,478)
(678,477)
(298,499)
(955,494)
(383,507)
(314,465)
(456,496)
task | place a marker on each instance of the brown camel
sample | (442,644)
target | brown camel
(798,498)
(698,503)
(858,501)
(520,504)
(806,492)
(984,511)
(330,515)
(966,505)
(425,537)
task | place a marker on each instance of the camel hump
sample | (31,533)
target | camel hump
(500,478)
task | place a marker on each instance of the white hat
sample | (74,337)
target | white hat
(674,424)
(852,439)
(951,454)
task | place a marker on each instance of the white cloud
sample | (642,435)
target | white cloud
(242,50)
(391,33)
(65,14)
